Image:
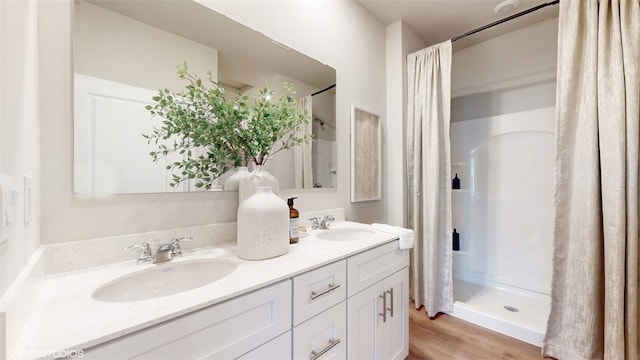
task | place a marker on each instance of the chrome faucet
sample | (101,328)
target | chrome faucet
(145,256)
(176,251)
(321,223)
(165,252)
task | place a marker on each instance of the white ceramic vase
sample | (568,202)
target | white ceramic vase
(233,182)
(258,177)
(263,226)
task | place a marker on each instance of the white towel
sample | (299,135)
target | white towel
(406,235)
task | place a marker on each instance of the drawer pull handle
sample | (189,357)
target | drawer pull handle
(384,307)
(390,292)
(332,343)
(315,295)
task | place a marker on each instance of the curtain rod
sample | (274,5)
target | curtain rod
(323,90)
(508,18)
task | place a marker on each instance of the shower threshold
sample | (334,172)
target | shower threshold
(521,315)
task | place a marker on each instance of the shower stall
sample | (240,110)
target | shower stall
(504,214)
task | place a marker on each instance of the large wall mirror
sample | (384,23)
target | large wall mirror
(125,50)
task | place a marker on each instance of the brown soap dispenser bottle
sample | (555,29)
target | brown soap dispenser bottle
(294,226)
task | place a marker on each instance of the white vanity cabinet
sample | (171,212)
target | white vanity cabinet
(355,308)
(222,331)
(377,304)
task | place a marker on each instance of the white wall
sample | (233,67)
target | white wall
(518,98)
(19,127)
(522,57)
(340,34)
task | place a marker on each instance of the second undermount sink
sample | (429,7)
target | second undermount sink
(346,234)
(164,279)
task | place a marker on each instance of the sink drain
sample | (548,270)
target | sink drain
(510,308)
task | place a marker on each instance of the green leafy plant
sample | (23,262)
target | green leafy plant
(215,135)
(273,125)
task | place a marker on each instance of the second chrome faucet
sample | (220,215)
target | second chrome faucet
(165,252)
(321,223)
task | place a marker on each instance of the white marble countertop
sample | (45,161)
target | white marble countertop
(66,317)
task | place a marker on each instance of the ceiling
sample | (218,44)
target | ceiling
(435,21)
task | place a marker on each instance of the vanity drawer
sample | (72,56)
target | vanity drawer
(318,290)
(323,336)
(276,349)
(371,266)
(221,331)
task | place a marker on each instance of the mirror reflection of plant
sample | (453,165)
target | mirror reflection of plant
(199,125)
(274,126)
(215,135)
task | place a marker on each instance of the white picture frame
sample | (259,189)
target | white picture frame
(366,178)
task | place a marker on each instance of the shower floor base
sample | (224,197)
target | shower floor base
(521,315)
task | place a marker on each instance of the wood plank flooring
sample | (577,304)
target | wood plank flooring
(449,338)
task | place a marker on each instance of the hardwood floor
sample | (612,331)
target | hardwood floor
(449,338)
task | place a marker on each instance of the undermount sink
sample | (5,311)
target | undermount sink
(346,234)
(164,279)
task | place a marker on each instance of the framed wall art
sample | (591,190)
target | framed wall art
(365,156)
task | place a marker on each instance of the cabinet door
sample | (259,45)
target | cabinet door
(323,336)
(221,331)
(378,320)
(364,322)
(395,337)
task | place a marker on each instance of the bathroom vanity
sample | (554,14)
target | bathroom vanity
(336,298)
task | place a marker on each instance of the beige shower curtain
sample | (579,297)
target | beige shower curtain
(429,177)
(594,310)
(302,169)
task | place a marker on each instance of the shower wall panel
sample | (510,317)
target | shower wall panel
(505,211)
